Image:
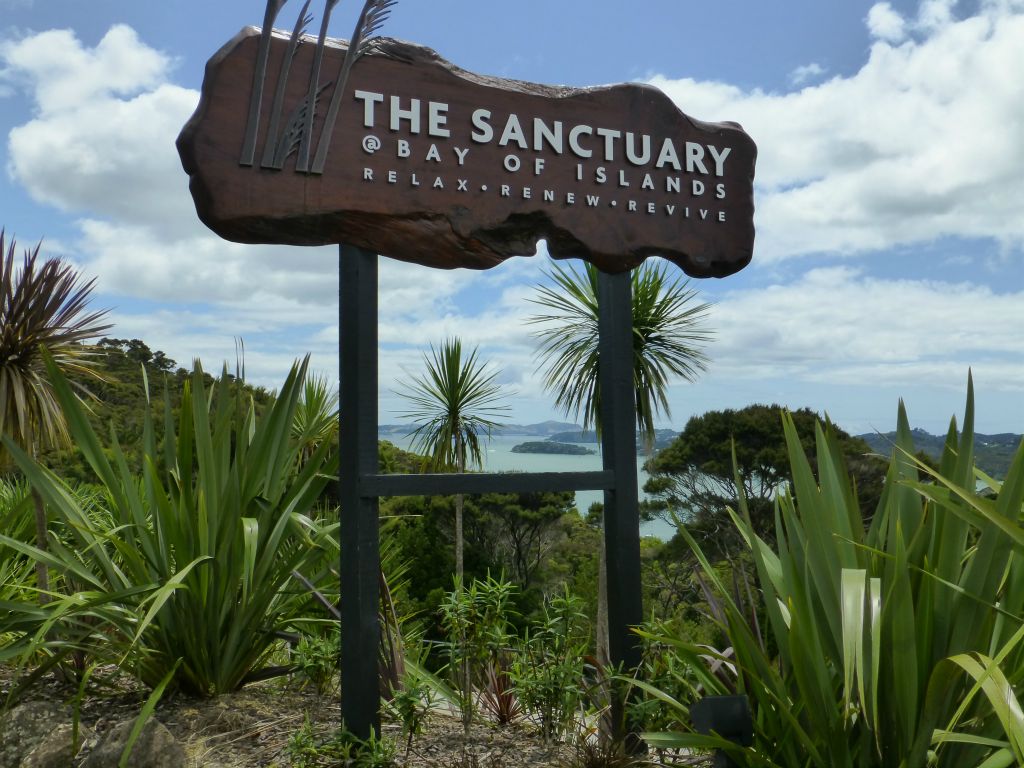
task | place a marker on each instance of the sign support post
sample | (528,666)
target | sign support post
(440,167)
(359,528)
(621,510)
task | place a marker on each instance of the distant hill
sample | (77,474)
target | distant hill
(662,437)
(992,453)
(543,429)
(553,431)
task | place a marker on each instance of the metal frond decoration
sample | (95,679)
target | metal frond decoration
(270,149)
(258,79)
(302,163)
(291,139)
(296,135)
(372,18)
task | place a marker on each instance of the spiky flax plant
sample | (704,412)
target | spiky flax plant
(43,307)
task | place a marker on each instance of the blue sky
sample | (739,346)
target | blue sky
(889,257)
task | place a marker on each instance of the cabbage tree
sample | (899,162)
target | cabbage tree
(454,402)
(43,307)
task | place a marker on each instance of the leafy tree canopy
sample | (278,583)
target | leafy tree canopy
(693,477)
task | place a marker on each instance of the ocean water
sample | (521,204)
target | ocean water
(500,458)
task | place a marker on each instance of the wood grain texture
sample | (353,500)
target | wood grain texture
(429,209)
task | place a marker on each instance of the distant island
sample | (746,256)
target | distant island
(550,447)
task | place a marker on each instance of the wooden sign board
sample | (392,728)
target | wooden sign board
(431,164)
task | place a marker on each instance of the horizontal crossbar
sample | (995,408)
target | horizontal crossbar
(484,482)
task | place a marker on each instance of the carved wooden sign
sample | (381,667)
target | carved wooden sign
(419,160)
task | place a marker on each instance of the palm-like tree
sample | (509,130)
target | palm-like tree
(43,311)
(668,333)
(316,415)
(454,402)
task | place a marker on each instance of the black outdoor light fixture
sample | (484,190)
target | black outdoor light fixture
(729,717)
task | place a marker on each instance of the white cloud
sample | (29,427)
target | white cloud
(101,146)
(840,325)
(64,75)
(885,23)
(923,142)
(935,14)
(101,142)
(807,72)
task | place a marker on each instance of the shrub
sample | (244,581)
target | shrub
(899,637)
(477,628)
(193,562)
(548,673)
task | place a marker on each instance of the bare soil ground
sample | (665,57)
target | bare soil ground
(252,728)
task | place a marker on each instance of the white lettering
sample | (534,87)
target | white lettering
(437,119)
(695,157)
(506,190)
(526,193)
(697,188)
(721,216)
(719,158)
(645,153)
(579,171)
(609,142)
(574,140)
(668,156)
(593,200)
(434,154)
(703,213)
(720,191)
(553,136)
(461,154)
(369,98)
(367,174)
(438,183)
(412,114)
(538,166)
(648,182)
(463,186)
(632,206)
(512,163)
(513,132)
(672,184)
(484,132)
(570,198)
(671,209)
(600,174)
(403,148)
(392,177)
(549,195)
(414,182)
(622,179)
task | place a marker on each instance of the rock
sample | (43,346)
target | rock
(156,747)
(57,749)
(25,728)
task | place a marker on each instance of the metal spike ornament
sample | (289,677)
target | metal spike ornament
(302,162)
(270,158)
(259,77)
(375,13)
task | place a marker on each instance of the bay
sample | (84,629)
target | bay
(500,458)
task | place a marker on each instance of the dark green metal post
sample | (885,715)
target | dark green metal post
(359,534)
(621,509)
